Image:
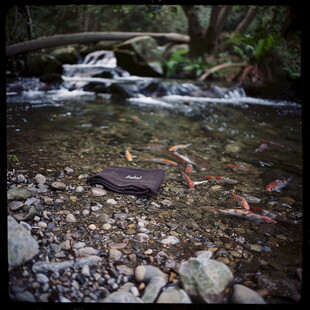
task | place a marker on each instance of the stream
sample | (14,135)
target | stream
(252,140)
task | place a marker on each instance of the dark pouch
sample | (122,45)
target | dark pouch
(125,180)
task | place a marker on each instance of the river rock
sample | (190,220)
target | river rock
(40,179)
(122,297)
(38,64)
(19,193)
(205,279)
(58,185)
(153,288)
(96,191)
(70,218)
(15,205)
(21,245)
(144,273)
(139,56)
(244,295)
(115,255)
(65,54)
(174,295)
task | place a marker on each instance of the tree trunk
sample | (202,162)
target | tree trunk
(246,21)
(197,44)
(211,30)
(85,37)
(225,11)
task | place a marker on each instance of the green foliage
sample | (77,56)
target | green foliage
(176,62)
(12,157)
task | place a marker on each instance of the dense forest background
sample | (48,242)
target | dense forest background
(267,38)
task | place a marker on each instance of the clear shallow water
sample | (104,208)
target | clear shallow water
(50,130)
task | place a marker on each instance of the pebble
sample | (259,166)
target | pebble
(19,193)
(141,237)
(115,255)
(58,185)
(70,218)
(106,226)
(144,273)
(153,288)
(15,205)
(65,245)
(68,170)
(111,202)
(98,192)
(171,240)
(42,224)
(79,189)
(244,295)
(122,297)
(40,179)
(92,226)
(174,295)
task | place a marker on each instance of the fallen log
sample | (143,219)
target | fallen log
(219,67)
(86,37)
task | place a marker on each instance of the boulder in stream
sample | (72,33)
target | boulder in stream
(139,56)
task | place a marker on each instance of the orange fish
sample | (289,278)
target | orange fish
(179,146)
(241,167)
(227,180)
(201,162)
(127,153)
(277,185)
(189,182)
(189,168)
(137,118)
(161,161)
(244,203)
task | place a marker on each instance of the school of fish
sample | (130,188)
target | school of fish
(245,212)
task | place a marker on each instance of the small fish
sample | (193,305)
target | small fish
(179,146)
(272,143)
(247,215)
(277,185)
(137,118)
(272,215)
(200,182)
(241,167)
(201,162)
(189,168)
(128,154)
(262,147)
(183,159)
(189,182)
(220,178)
(161,161)
(244,203)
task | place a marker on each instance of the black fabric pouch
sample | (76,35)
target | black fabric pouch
(125,180)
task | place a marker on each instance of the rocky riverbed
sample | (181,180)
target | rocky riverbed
(77,243)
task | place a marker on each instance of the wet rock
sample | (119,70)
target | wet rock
(205,279)
(106,226)
(21,245)
(87,251)
(19,193)
(153,288)
(144,273)
(15,205)
(122,297)
(65,245)
(111,202)
(40,179)
(244,295)
(174,295)
(98,192)
(19,179)
(58,185)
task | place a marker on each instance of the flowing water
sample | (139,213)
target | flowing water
(50,130)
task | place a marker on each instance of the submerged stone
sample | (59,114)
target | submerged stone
(205,279)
